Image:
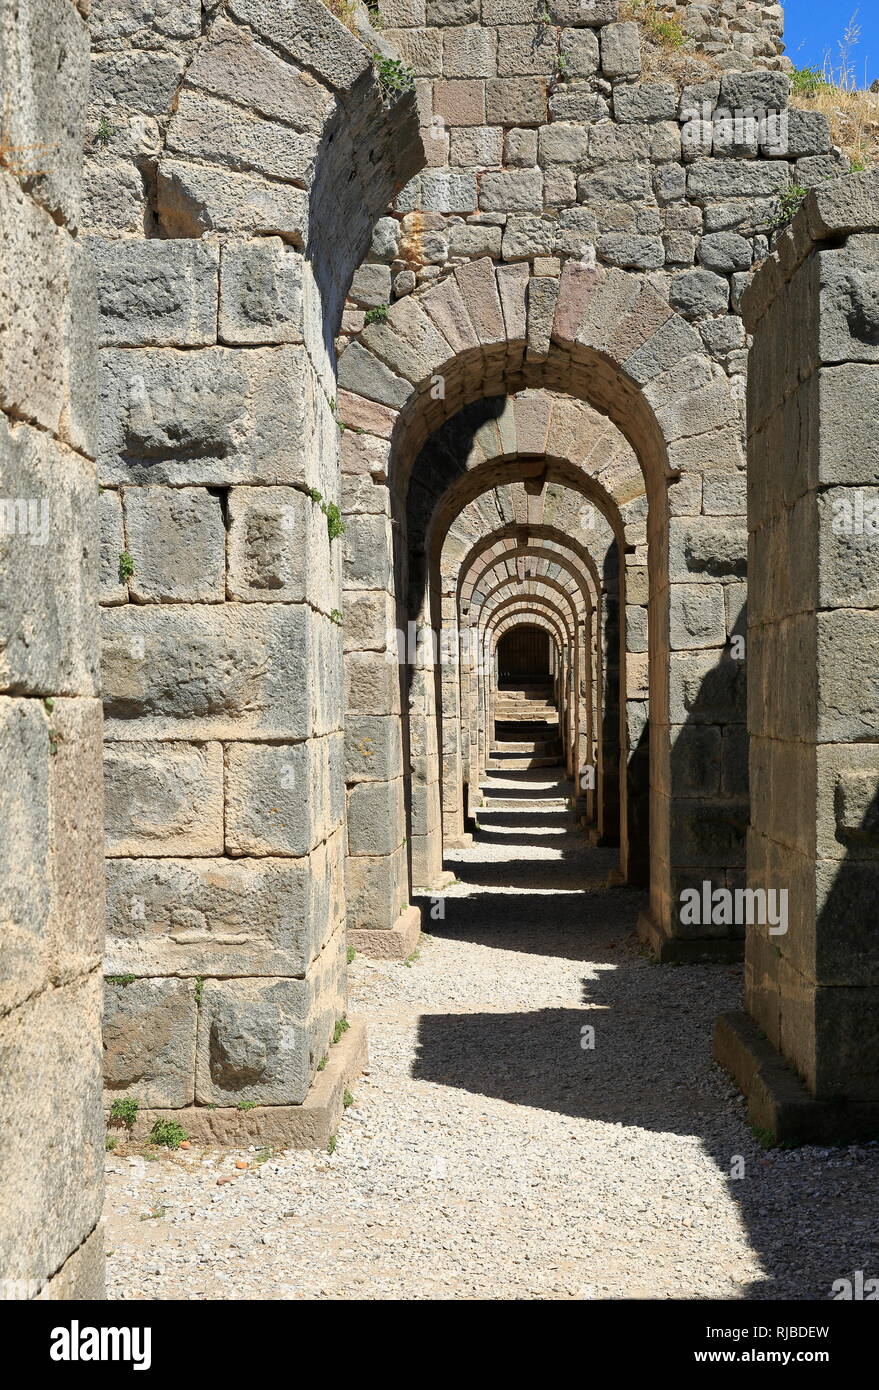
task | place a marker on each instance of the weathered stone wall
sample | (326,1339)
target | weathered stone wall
(546,143)
(812,983)
(732,32)
(238,158)
(51,825)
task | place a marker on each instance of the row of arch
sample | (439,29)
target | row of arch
(535,481)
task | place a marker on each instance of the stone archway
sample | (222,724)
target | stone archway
(558,556)
(613,342)
(567,552)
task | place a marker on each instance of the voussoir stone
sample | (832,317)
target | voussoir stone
(699,292)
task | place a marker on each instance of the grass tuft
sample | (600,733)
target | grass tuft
(125,1110)
(835,90)
(168,1133)
(657,21)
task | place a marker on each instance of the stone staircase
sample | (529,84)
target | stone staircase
(526,729)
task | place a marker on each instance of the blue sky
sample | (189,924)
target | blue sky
(813,26)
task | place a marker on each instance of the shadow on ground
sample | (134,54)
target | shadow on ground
(650,1066)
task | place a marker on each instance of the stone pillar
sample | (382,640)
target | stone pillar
(223,676)
(585,788)
(385,864)
(239,160)
(611,695)
(426,805)
(471,705)
(381,920)
(635,717)
(51,815)
(453,733)
(807,1052)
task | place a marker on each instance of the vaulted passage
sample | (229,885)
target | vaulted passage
(440,491)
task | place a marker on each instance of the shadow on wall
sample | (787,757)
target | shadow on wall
(709,770)
(611,696)
(847,945)
(701,803)
(813,991)
(439,465)
(441,462)
(368,152)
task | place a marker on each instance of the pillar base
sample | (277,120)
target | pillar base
(390,943)
(306,1126)
(459,842)
(778,1100)
(685,950)
(442,881)
(81,1277)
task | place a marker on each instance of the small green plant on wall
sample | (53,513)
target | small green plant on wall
(124,1111)
(168,1133)
(787,206)
(395,79)
(808,82)
(335,524)
(104,132)
(659,26)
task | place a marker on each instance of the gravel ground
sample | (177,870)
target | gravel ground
(491,1152)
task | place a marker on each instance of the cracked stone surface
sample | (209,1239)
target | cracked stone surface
(488,1153)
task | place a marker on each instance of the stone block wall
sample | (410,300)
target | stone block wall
(813,635)
(51,820)
(238,158)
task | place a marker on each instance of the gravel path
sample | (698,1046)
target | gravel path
(490,1152)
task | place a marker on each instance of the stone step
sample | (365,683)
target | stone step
(536,694)
(526,729)
(515,764)
(543,734)
(537,697)
(539,748)
(514,713)
(525,704)
(525,683)
(548,803)
(525,748)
